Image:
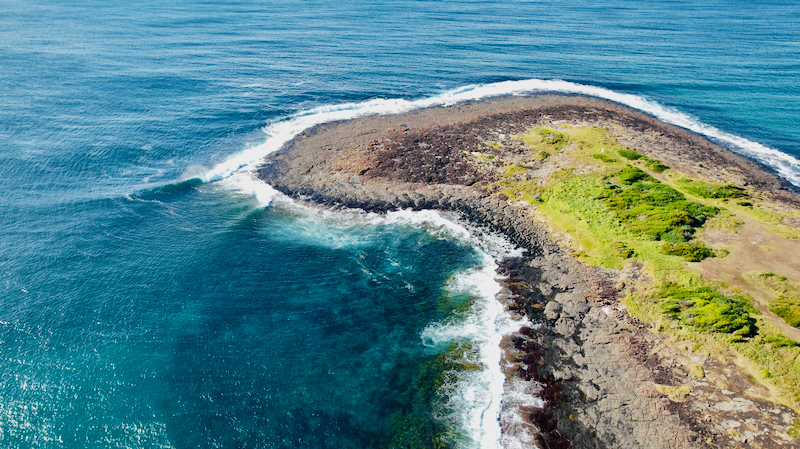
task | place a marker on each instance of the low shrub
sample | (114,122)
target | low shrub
(787,309)
(604,157)
(653,209)
(708,310)
(656,166)
(779,341)
(630,154)
(708,190)
(622,250)
(631,174)
(690,251)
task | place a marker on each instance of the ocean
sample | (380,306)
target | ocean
(154,294)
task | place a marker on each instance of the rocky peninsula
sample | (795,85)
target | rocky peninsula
(661,268)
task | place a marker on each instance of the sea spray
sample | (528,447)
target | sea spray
(244,163)
(473,402)
(472,398)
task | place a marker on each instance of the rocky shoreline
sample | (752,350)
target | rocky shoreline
(608,380)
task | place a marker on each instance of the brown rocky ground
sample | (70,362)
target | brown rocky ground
(608,380)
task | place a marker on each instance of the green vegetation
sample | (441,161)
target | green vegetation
(622,250)
(658,212)
(691,252)
(786,294)
(707,310)
(604,157)
(696,371)
(708,190)
(631,155)
(416,426)
(652,164)
(725,221)
(795,429)
(544,139)
(788,309)
(618,215)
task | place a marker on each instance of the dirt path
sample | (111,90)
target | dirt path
(753,248)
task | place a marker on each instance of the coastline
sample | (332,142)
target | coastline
(598,368)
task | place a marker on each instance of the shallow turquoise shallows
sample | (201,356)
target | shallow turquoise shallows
(149,299)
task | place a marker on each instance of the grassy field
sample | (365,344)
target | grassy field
(619,207)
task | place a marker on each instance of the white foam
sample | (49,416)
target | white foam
(280,132)
(433,221)
(246,183)
(474,402)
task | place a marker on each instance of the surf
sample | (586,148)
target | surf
(238,171)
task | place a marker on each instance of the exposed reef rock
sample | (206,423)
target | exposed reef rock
(607,379)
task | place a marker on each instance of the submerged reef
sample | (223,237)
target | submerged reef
(660,268)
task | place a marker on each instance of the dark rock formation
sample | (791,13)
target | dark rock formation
(596,367)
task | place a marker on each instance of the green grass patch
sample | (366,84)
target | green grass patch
(652,164)
(618,215)
(709,190)
(725,221)
(653,209)
(512,170)
(631,155)
(622,250)
(602,239)
(689,251)
(630,175)
(707,310)
(604,157)
(656,166)
(544,139)
(788,309)
(785,293)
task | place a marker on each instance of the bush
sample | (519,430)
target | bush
(779,341)
(630,175)
(630,154)
(653,209)
(707,190)
(656,166)
(708,310)
(787,309)
(622,250)
(604,157)
(691,252)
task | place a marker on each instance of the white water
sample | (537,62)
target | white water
(476,402)
(241,165)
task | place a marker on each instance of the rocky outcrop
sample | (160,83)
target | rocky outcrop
(606,378)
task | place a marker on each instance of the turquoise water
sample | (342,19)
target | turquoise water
(153,295)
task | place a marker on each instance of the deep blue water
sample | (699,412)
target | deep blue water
(137,310)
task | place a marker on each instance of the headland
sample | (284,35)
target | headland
(662,267)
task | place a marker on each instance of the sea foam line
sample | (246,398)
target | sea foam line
(474,403)
(280,132)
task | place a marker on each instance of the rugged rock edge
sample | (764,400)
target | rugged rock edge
(598,368)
